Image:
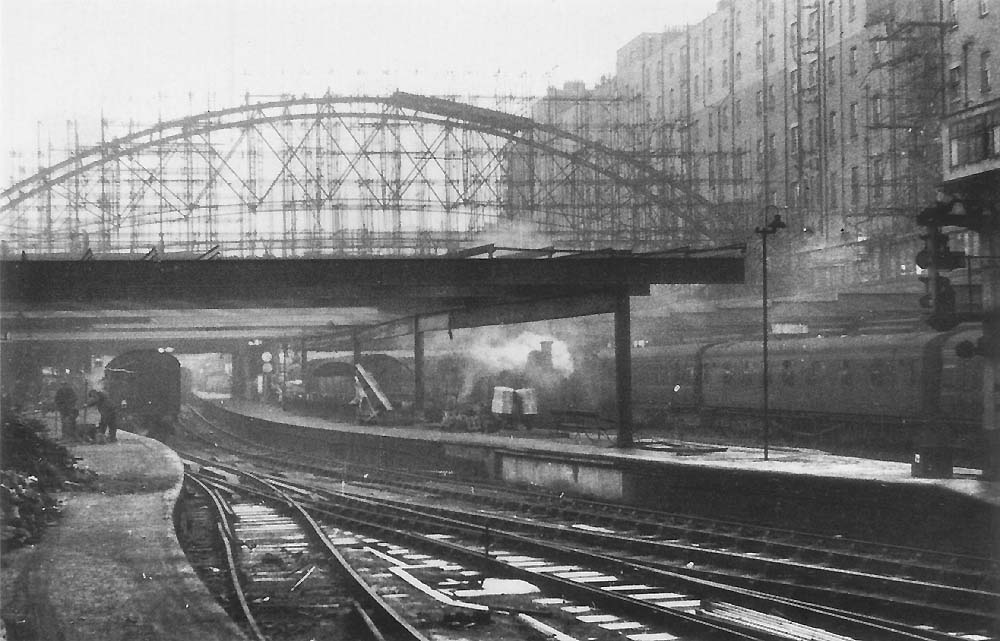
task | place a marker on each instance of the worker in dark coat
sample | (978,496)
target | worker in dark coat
(65,401)
(108,412)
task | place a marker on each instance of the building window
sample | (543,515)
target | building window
(984,72)
(670,105)
(758,54)
(737,113)
(793,38)
(796,140)
(725,73)
(709,82)
(853,120)
(984,8)
(770,97)
(738,66)
(794,82)
(724,119)
(876,109)
(877,178)
(831,129)
(711,126)
(832,189)
(876,52)
(697,86)
(953,11)
(855,186)
(831,71)
(813,69)
(814,133)
(760,102)
(852,61)
(760,153)
(830,16)
(813,24)
(770,47)
(955,84)
(852,9)
(738,22)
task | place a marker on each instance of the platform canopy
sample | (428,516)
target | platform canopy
(216,305)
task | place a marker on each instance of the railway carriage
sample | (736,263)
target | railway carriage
(914,376)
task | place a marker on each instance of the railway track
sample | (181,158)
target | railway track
(277,573)
(405,580)
(934,596)
(613,590)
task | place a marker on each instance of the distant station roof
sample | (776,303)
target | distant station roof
(206,305)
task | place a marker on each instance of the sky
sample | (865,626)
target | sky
(72,60)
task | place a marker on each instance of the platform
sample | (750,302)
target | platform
(781,460)
(111,569)
(794,489)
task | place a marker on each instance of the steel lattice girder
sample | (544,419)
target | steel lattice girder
(639,187)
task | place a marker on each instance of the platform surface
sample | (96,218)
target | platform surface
(783,460)
(111,568)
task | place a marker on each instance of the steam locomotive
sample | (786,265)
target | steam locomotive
(147,384)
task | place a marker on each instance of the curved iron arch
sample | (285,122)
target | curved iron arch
(646,182)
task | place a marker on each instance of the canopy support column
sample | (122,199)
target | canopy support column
(418,371)
(623,367)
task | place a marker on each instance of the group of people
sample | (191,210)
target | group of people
(66,405)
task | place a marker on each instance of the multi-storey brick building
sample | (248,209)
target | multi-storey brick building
(826,111)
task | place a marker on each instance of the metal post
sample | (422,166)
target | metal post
(623,367)
(765,231)
(767,417)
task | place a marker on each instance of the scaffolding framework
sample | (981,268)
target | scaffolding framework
(286,176)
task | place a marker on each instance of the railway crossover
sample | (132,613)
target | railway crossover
(763,583)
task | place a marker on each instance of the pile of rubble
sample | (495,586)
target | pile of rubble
(32,467)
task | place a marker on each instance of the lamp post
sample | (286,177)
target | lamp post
(765,231)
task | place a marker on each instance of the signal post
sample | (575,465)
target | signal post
(991,345)
(937,258)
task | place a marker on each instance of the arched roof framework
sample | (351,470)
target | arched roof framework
(331,175)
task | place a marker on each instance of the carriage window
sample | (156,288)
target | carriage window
(812,373)
(876,372)
(787,375)
(846,379)
(727,373)
(908,371)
